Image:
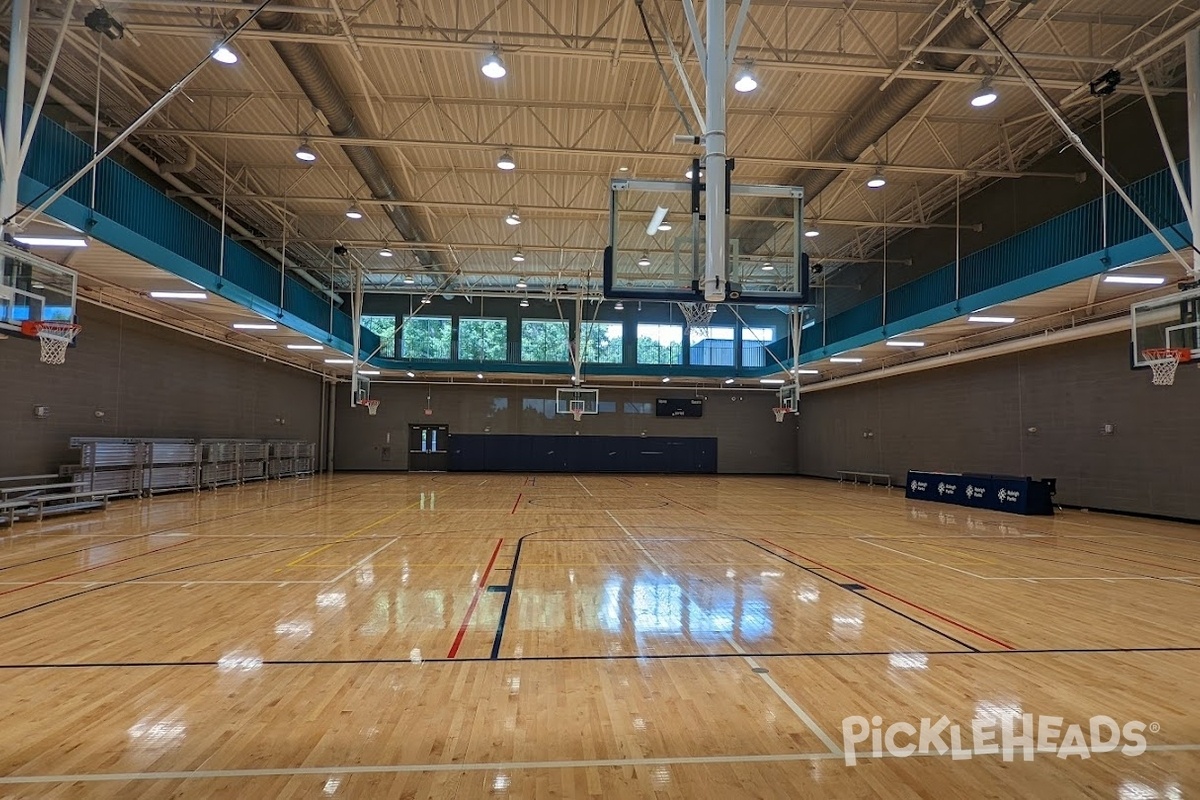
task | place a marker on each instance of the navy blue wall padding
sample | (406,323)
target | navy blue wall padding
(474,452)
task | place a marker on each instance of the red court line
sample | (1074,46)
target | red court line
(98,566)
(519,496)
(897,598)
(462,629)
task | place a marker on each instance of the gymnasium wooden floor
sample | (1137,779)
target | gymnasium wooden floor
(463,636)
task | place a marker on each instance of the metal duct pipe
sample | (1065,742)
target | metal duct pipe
(880,113)
(308,67)
(189,164)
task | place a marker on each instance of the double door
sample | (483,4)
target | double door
(428,448)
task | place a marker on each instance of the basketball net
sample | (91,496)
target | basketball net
(55,338)
(1163,362)
(372,406)
(780,413)
(698,315)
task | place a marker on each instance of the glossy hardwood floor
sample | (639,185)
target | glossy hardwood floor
(463,636)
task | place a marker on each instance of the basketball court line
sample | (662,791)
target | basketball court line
(479,589)
(755,669)
(589,491)
(508,766)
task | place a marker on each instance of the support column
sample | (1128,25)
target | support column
(14,109)
(1193,94)
(716,73)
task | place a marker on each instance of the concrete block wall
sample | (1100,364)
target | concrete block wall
(145,380)
(978,416)
(749,439)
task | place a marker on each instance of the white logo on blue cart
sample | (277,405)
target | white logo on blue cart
(1008,495)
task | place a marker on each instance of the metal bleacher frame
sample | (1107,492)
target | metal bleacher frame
(133,467)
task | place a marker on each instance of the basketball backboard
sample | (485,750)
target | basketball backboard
(33,289)
(564,398)
(657,243)
(1171,321)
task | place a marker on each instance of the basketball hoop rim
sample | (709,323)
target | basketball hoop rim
(1180,354)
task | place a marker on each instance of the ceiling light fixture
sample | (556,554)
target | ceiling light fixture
(479,375)
(368,372)
(493,65)
(305,347)
(876,181)
(51,241)
(354,212)
(772,381)
(622,168)
(728,381)
(666,226)
(619,306)
(255,326)
(513,218)
(746,82)
(224,54)
(1135,280)
(179,295)
(506,161)
(901,343)
(993,320)
(411,374)
(339,361)
(667,379)
(768,267)
(305,153)
(426,300)
(812,233)
(688,174)
(524,303)
(522,284)
(806,372)
(386,252)
(409,279)
(985,95)
(518,257)
(845,360)
(644,261)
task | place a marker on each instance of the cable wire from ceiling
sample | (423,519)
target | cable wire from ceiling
(687,126)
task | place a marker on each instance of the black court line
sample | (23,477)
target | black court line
(320,662)
(864,596)
(508,593)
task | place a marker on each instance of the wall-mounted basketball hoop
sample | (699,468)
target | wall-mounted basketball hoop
(54,336)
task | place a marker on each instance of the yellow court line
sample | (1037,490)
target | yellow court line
(364,529)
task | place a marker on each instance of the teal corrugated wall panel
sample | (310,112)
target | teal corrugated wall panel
(925,292)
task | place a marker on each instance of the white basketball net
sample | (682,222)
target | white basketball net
(55,337)
(698,315)
(577,407)
(1163,364)
(372,406)
(780,413)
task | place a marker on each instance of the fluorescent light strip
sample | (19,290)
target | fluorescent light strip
(339,361)
(305,347)
(1135,280)
(179,295)
(995,320)
(368,372)
(772,381)
(899,343)
(255,326)
(806,372)
(51,241)
(845,360)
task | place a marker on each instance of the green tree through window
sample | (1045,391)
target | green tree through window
(602,342)
(385,328)
(659,344)
(544,340)
(426,338)
(482,340)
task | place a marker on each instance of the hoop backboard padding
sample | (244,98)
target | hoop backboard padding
(765,261)
(565,398)
(55,338)
(1168,322)
(578,409)
(1164,361)
(372,406)
(33,289)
